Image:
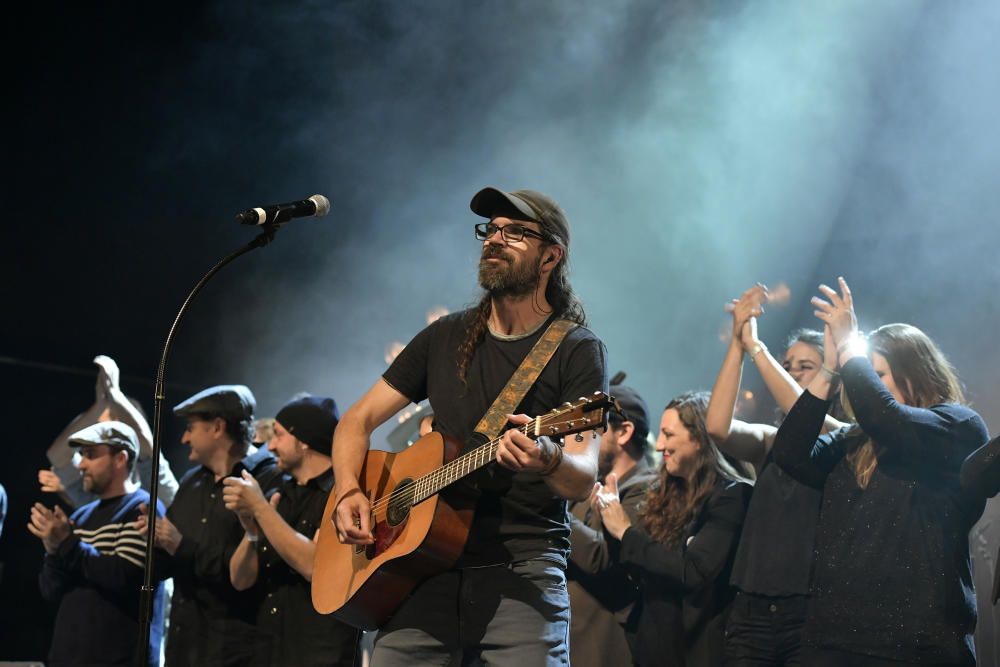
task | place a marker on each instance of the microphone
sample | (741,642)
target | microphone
(315,206)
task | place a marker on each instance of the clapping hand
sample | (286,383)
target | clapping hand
(605,500)
(837,313)
(168,537)
(243,496)
(50,482)
(744,309)
(50,526)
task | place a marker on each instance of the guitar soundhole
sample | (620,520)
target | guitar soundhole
(400,502)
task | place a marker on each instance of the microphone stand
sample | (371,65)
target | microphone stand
(148,587)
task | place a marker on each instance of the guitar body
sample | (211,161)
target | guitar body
(363,585)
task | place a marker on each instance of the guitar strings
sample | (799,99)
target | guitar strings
(400,494)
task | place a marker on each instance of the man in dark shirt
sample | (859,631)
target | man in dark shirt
(94,559)
(211,623)
(505,601)
(601,594)
(278,548)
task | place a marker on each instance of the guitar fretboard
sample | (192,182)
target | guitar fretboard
(432,483)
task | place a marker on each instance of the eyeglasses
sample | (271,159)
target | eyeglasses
(509,233)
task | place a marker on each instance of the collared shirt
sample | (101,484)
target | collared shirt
(297,633)
(211,623)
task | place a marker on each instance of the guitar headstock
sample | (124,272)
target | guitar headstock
(583,414)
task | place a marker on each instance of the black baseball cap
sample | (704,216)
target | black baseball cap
(524,205)
(633,409)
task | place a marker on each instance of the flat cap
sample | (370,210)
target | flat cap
(230,401)
(113,434)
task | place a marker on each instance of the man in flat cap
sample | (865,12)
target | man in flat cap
(277,551)
(94,559)
(504,602)
(110,403)
(600,592)
(211,623)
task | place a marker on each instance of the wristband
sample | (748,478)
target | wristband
(253,539)
(829,372)
(757,349)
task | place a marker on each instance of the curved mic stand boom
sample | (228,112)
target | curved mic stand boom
(148,588)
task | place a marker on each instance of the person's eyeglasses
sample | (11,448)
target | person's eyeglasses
(509,233)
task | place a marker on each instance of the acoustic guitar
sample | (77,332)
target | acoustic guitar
(418,532)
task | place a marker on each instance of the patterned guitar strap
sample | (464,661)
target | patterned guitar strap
(520,382)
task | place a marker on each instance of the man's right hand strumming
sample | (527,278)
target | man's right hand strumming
(352,518)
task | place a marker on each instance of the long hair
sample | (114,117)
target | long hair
(673,503)
(559,293)
(922,374)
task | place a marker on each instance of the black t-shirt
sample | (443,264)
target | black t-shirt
(517,516)
(776,550)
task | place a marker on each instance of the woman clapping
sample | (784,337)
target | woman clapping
(682,548)
(892,580)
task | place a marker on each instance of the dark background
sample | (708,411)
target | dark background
(696,146)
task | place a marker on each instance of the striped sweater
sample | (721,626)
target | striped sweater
(95,577)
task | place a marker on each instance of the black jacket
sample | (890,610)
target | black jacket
(684,590)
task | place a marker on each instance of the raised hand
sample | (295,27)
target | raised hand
(837,312)
(748,335)
(749,305)
(50,482)
(108,376)
(52,527)
(830,358)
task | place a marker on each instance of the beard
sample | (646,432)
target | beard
(507,279)
(93,485)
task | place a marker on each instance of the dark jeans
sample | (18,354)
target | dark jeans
(765,631)
(516,614)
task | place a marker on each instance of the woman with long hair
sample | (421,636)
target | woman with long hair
(681,549)
(774,557)
(892,579)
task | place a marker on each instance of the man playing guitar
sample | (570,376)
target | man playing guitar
(505,601)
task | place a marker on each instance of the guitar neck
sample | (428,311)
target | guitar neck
(451,472)
(586,413)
